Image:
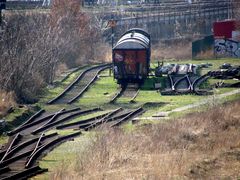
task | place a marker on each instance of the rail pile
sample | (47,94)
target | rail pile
(109,119)
(29,142)
(183,79)
(19,158)
(231,72)
(186,84)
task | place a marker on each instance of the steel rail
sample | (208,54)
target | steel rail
(190,86)
(37,144)
(69,87)
(177,82)
(198,83)
(134,97)
(81,121)
(119,94)
(27,143)
(130,115)
(88,85)
(14,142)
(91,124)
(56,115)
(64,119)
(103,120)
(15,158)
(48,145)
(123,90)
(19,129)
(33,117)
(171,82)
(26,173)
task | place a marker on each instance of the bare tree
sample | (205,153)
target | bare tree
(34,44)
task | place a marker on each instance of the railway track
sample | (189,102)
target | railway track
(127,91)
(186,84)
(20,161)
(111,119)
(29,142)
(50,121)
(80,85)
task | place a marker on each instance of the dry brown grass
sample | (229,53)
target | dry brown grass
(205,54)
(178,51)
(6,101)
(199,146)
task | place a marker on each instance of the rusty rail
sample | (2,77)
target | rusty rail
(26,173)
(81,121)
(130,115)
(103,120)
(33,117)
(19,129)
(64,119)
(75,82)
(88,85)
(38,152)
(14,142)
(56,115)
(89,126)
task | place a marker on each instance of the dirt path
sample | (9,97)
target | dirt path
(211,99)
(207,100)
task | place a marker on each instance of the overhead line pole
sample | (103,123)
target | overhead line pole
(2,6)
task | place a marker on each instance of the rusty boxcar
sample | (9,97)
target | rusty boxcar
(131,57)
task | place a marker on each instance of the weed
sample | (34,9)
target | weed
(179,149)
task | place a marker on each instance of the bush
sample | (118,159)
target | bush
(33,44)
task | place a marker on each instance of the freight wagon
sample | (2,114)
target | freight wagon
(131,57)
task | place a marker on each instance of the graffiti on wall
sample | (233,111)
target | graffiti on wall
(227,48)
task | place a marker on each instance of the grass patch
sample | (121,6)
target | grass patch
(16,113)
(3,139)
(87,116)
(51,92)
(212,103)
(99,94)
(57,157)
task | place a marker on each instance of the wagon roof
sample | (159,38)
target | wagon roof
(133,39)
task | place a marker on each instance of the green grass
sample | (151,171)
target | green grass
(87,116)
(101,92)
(64,154)
(16,113)
(3,139)
(205,107)
(51,92)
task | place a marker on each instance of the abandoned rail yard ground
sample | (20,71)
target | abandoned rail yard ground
(134,89)
(70,158)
